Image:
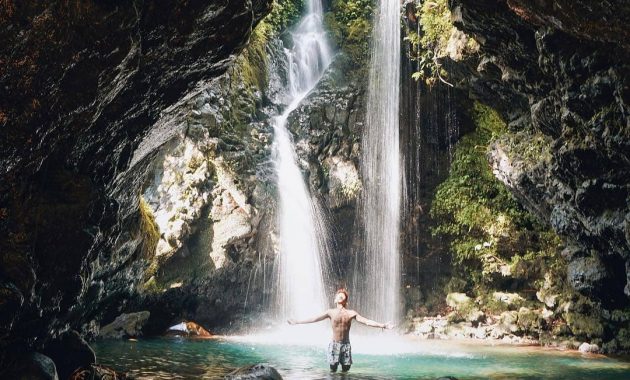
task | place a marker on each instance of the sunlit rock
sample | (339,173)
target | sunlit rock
(511,300)
(588,348)
(125,325)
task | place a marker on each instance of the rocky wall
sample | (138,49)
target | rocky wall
(558,69)
(87,81)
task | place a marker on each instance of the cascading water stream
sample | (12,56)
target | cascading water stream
(302,231)
(377,278)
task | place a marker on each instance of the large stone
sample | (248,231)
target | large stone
(588,348)
(508,321)
(69,352)
(33,366)
(125,325)
(511,300)
(529,321)
(259,371)
(458,301)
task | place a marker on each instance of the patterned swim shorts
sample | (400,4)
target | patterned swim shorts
(339,352)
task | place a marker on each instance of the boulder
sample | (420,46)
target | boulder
(476,316)
(33,366)
(511,300)
(261,371)
(125,325)
(588,348)
(424,327)
(458,301)
(508,320)
(197,330)
(69,351)
(529,321)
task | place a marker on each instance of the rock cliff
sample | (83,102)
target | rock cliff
(83,83)
(557,73)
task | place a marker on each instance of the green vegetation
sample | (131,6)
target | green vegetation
(148,228)
(150,233)
(350,23)
(248,75)
(283,14)
(438,38)
(494,242)
(497,246)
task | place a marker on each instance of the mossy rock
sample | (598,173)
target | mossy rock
(529,321)
(586,326)
(459,301)
(502,301)
(623,339)
(508,321)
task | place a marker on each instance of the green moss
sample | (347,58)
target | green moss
(494,241)
(150,234)
(432,43)
(149,229)
(283,14)
(584,325)
(248,75)
(350,25)
(435,18)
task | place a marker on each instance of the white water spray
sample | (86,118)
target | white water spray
(378,266)
(302,231)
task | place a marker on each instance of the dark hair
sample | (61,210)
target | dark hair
(345,293)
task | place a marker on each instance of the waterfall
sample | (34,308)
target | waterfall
(302,230)
(377,278)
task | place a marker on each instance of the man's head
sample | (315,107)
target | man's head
(341,297)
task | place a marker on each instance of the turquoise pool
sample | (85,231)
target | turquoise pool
(395,358)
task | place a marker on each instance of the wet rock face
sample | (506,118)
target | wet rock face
(326,129)
(87,81)
(558,69)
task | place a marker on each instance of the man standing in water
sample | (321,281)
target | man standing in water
(339,350)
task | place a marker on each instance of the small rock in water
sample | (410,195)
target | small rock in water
(588,348)
(189,329)
(261,371)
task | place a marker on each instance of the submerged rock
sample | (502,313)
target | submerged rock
(261,371)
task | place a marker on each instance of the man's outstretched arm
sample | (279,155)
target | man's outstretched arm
(310,320)
(371,323)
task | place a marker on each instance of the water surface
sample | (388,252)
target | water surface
(177,358)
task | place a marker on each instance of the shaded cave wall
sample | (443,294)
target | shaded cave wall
(86,83)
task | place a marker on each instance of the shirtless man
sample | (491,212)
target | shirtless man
(339,350)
